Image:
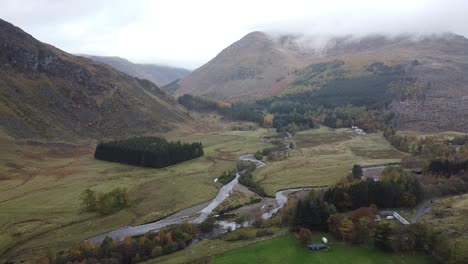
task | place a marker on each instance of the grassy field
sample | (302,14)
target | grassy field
(41,184)
(287,249)
(449,214)
(322,156)
(203,251)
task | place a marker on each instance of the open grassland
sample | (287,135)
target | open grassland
(287,249)
(322,156)
(449,214)
(41,183)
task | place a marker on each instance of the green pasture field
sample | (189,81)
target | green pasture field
(287,249)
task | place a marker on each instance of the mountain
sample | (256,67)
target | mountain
(424,79)
(158,74)
(48,93)
(252,67)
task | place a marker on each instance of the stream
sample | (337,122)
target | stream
(204,210)
(198,213)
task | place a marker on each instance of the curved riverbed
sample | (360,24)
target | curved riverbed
(204,210)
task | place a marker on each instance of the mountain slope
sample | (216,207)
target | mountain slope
(252,67)
(424,80)
(48,93)
(158,74)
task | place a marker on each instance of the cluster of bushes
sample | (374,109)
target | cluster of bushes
(104,203)
(397,188)
(154,152)
(418,238)
(130,250)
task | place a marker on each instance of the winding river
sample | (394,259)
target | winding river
(198,213)
(202,210)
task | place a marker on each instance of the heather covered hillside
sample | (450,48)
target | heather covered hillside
(48,93)
(421,80)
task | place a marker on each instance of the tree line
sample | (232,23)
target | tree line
(153,152)
(419,238)
(128,251)
(396,188)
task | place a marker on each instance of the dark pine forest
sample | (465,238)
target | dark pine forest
(153,152)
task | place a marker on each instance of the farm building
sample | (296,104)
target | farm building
(316,246)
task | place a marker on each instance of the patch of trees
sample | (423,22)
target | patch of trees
(418,238)
(399,142)
(130,250)
(329,69)
(312,214)
(285,122)
(396,188)
(447,167)
(104,203)
(244,112)
(229,175)
(202,104)
(357,171)
(355,226)
(247,180)
(443,186)
(153,152)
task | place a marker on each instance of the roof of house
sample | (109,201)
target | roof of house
(316,246)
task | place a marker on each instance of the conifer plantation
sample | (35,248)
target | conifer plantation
(153,152)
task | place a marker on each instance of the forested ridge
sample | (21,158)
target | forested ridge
(153,152)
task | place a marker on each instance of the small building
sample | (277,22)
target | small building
(316,246)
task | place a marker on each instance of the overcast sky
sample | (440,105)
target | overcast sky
(191,32)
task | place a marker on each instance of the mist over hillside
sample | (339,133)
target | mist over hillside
(158,74)
(429,89)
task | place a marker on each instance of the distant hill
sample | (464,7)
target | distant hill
(425,78)
(48,93)
(158,74)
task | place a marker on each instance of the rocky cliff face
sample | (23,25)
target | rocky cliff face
(48,93)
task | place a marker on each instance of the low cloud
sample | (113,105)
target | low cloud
(189,33)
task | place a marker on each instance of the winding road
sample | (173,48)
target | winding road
(423,208)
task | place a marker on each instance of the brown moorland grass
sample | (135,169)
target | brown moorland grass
(322,156)
(39,193)
(449,214)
